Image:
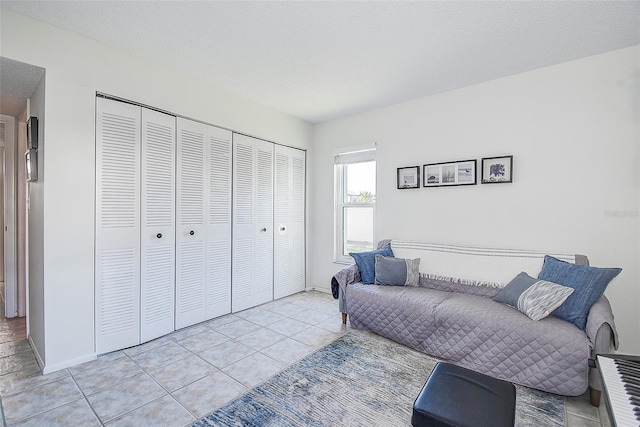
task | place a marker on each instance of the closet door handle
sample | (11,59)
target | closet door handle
(282,229)
(263,230)
(159,235)
(192,232)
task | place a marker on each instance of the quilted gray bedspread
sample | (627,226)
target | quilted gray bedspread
(478,333)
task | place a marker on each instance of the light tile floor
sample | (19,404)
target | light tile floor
(179,378)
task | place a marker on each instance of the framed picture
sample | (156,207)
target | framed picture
(32,132)
(497,170)
(462,172)
(409,177)
(31,161)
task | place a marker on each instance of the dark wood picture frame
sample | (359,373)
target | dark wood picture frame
(450,174)
(497,170)
(408,177)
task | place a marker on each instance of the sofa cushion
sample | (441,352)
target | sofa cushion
(589,283)
(477,333)
(396,271)
(366,262)
(533,297)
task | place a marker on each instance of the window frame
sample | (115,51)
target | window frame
(362,154)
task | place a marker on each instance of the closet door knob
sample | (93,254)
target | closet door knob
(282,228)
(192,232)
(263,230)
(159,235)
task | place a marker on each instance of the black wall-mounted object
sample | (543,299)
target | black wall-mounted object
(32,133)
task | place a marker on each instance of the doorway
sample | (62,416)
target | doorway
(8,249)
(2,139)
(2,169)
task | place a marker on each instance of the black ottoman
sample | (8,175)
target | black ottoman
(455,396)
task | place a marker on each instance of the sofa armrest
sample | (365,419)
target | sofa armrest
(600,321)
(340,281)
(602,334)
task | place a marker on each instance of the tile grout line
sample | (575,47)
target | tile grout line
(125,355)
(84,396)
(3,421)
(195,416)
(53,407)
(168,393)
(242,358)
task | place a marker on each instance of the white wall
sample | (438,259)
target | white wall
(76,68)
(573,130)
(35,232)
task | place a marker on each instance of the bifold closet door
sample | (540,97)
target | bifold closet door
(289,214)
(203,225)
(117,267)
(190,224)
(157,275)
(252,265)
(218,283)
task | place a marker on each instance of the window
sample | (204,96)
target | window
(355,177)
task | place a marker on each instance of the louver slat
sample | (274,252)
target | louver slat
(219,181)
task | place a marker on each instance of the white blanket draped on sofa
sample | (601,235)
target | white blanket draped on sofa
(473,266)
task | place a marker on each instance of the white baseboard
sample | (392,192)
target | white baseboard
(58,366)
(35,353)
(69,363)
(323,290)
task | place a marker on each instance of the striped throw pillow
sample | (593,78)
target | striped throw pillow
(397,271)
(533,297)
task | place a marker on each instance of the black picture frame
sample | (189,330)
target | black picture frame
(450,174)
(31,164)
(32,132)
(408,177)
(497,170)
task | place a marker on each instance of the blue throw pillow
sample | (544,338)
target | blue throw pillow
(589,283)
(366,262)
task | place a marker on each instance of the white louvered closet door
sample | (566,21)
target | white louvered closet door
(117,266)
(252,265)
(218,275)
(297,228)
(190,223)
(157,275)
(289,217)
(264,216)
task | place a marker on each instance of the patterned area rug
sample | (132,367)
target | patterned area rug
(360,379)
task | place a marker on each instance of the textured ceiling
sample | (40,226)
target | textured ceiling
(323,60)
(17,82)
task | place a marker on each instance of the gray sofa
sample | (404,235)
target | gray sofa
(456,321)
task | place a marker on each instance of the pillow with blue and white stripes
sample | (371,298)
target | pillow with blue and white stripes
(533,297)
